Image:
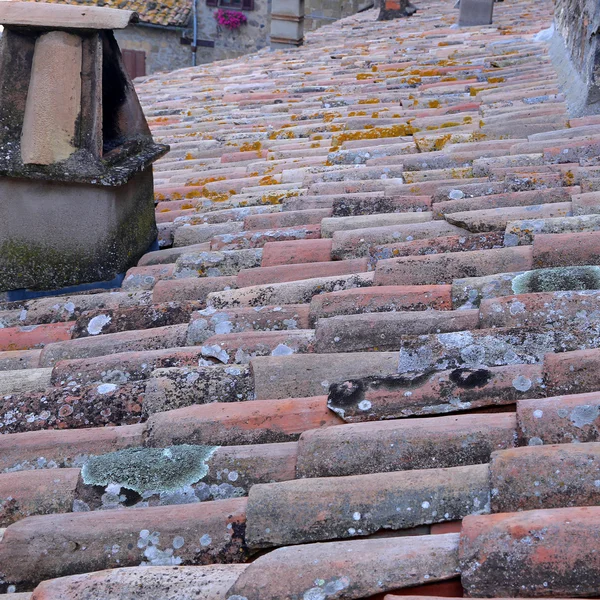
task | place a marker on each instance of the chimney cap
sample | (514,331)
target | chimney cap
(41,15)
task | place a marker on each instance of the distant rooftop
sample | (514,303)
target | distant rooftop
(167,13)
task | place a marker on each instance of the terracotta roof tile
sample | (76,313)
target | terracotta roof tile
(374,315)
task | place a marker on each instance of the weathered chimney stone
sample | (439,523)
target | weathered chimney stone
(76,185)
(576,54)
(475,12)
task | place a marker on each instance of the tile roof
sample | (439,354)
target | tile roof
(166,13)
(365,360)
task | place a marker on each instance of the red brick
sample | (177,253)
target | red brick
(539,309)
(575,372)
(51,449)
(27,493)
(190,288)
(34,336)
(381,299)
(401,444)
(311,374)
(586,204)
(443,268)
(45,547)
(140,583)
(297,272)
(559,420)
(288,292)
(171,336)
(258,239)
(19,359)
(234,157)
(167,206)
(170,255)
(296,252)
(291,218)
(566,249)
(181,192)
(170,216)
(228,424)
(539,553)
(571,152)
(395,396)
(440,245)
(241,347)
(317,509)
(533,477)
(131,365)
(359,568)
(144,278)
(235,320)
(387,331)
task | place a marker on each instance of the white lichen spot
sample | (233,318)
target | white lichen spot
(356,516)
(282,350)
(178,542)
(521,383)
(205,540)
(364,405)
(106,388)
(216,352)
(314,594)
(97,324)
(516,307)
(425,504)
(223,327)
(538,414)
(584,415)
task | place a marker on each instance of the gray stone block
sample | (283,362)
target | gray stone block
(475,12)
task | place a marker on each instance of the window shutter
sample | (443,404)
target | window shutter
(134,62)
(140,63)
(129,62)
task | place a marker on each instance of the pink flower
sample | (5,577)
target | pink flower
(230,18)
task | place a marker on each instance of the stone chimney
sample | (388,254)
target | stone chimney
(575,52)
(287,23)
(76,186)
(475,12)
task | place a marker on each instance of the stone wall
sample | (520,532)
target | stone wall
(576,52)
(163,47)
(250,37)
(323,12)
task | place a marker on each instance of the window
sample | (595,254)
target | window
(233,4)
(135,62)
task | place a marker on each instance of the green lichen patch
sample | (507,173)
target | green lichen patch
(149,469)
(558,279)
